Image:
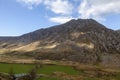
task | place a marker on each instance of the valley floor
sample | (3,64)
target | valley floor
(57,70)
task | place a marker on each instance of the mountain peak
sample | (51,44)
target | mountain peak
(83,23)
(82,20)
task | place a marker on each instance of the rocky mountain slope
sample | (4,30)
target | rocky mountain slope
(118,31)
(82,40)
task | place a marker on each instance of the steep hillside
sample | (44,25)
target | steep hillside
(118,31)
(82,40)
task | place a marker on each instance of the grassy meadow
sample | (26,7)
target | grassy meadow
(60,72)
(45,69)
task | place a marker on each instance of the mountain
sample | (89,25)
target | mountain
(118,31)
(81,40)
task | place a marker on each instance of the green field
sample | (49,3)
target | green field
(45,78)
(46,69)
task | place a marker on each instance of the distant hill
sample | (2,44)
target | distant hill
(82,40)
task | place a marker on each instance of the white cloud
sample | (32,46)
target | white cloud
(30,3)
(59,6)
(98,8)
(60,19)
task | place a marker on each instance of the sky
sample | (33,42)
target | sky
(18,17)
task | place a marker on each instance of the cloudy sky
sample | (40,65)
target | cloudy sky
(22,16)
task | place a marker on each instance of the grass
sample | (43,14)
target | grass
(17,68)
(117,77)
(49,69)
(50,78)
(46,69)
(89,78)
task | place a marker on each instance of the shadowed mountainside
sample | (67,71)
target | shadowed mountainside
(82,40)
(118,31)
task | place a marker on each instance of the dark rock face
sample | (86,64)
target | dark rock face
(83,40)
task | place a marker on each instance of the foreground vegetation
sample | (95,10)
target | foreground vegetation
(45,69)
(60,72)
